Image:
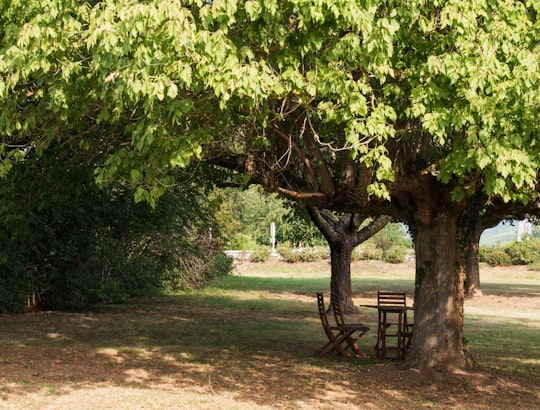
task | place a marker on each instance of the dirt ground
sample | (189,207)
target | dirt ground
(132,358)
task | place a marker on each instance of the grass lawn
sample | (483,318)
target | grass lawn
(248,341)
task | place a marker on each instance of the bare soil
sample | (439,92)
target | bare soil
(166,353)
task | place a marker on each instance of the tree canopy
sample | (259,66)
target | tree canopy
(422,110)
(450,80)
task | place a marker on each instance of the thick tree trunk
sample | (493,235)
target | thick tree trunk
(340,282)
(472,281)
(438,312)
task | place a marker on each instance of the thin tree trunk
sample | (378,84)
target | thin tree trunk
(340,282)
(439,298)
(472,281)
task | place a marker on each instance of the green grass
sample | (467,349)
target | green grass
(499,337)
(253,336)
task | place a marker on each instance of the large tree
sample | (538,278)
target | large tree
(399,108)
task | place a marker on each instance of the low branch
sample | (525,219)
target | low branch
(303,196)
(325,223)
(371,229)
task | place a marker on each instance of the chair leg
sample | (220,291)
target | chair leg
(333,345)
(353,344)
(336,344)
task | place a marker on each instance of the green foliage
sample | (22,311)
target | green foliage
(195,267)
(393,234)
(161,78)
(525,252)
(244,217)
(298,229)
(395,254)
(241,241)
(307,254)
(65,244)
(260,254)
(313,253)
(368,251)
(287,253)
(494,256)
(390,245)
(535,267)
(514,253)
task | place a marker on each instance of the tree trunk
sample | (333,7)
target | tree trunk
(340,282)
(343,236)
(472,281)
(439,297)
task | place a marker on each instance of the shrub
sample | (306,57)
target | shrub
(260,254)
(66,244)
(494,256)
(308,254)
(535,267)
(242,241)
(395,254)
(288,253)
(524,253)
(357,254)
(368,250)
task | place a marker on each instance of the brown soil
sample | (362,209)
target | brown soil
(130,356)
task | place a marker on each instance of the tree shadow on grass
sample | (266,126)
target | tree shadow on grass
(259,352)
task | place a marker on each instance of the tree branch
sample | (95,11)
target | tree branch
(372,228)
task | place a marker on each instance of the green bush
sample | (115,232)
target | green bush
(494,256)
(243,242)
(395,254)
(309,254)
(368,251)
(535,267)
(66,244)
(524,253)
(195,267)
(287,253)
(260,254)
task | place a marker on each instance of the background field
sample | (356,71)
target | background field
(248,341)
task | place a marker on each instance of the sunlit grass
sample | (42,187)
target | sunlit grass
(252,337)
(504,338)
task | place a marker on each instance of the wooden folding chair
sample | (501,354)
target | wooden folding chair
(359,328)
(338,335)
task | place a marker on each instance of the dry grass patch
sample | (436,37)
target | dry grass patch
(239,346)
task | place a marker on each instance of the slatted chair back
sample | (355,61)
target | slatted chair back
(391,298)
(323,316)
(336,308)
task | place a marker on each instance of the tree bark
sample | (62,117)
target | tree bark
(439,296)
(340,280)
(343,235)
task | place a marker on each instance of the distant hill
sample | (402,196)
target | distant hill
(502,233)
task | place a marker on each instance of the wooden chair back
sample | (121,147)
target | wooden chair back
(323,316)
(346,335)
(391,298)
(336,308)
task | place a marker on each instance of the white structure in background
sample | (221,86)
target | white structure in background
(273,236)
(524,230)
